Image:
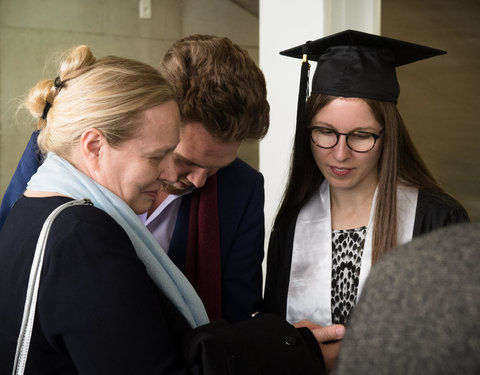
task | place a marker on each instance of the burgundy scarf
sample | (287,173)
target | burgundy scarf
(203,266)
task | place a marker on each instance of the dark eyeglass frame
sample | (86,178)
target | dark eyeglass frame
(338,134)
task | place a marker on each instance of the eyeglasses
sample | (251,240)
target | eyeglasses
(358,141)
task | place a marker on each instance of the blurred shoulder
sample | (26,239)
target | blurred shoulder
(239,170)
(239,166)
(436,210)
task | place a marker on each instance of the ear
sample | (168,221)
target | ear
(92,141)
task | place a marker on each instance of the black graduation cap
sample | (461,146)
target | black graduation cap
(354,64)
(357,64)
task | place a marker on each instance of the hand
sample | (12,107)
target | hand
(307,324)
(329,334)
(329,338)
(323,335)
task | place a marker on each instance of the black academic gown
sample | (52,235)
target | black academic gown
(433,211)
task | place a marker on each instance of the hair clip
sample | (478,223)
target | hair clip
(45,110)
(58,83)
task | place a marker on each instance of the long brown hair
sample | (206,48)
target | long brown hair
(399,162)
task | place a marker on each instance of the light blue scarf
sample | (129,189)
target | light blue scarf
(59,176)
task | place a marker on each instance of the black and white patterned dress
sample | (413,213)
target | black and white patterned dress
(347,250)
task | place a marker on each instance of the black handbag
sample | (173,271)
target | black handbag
(263,345)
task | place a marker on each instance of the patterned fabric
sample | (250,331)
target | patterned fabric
(347,250)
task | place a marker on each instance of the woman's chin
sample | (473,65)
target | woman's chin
(142,205)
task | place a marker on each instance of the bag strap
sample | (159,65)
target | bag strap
(26,328)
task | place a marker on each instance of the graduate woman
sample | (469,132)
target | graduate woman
(357,185)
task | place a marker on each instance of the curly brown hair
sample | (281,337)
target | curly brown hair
(219,85)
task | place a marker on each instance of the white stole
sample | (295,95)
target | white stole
(309,292)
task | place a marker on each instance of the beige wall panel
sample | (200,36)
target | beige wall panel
(121,18)
(114,17)
(220,17)
(438,99)
(72,15)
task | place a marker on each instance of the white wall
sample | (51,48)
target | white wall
(285,24)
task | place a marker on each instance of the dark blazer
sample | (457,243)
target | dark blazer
(26,167)
(432,212)
(240,206)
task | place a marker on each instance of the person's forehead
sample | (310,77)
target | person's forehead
(201,148)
